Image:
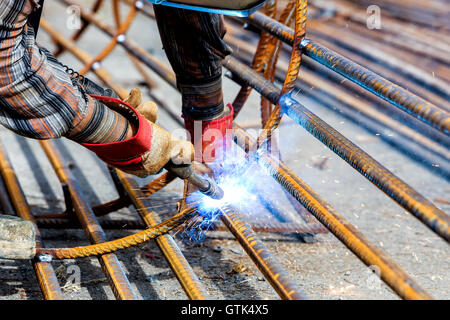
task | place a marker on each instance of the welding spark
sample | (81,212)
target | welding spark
(236,191)
(233,176)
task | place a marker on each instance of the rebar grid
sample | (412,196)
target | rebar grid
(266,55)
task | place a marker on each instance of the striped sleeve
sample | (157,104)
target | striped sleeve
(38,99)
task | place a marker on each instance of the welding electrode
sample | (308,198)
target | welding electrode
(205,185)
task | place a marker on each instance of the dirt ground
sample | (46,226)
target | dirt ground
(323,268)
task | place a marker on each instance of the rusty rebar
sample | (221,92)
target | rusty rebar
(285,17)
(110,264)
(351,52)
(400,63)
(367,114)
(399,97)
(391,185)
(84,24)
(122,243)
(178,263)
(122,28)
(370,254)
(166,243)
(130,46)
(259,61)
(406,292)
(158,184)
(261,256)
(301,12)
(390,24)
(44,271)
(126,224)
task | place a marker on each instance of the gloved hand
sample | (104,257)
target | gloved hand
(150,149)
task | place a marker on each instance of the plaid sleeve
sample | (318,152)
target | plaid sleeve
(38,99)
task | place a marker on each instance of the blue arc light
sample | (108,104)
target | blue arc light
(237,177)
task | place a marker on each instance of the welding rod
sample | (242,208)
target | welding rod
(205,185)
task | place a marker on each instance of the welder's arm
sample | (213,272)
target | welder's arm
(150,148)
(38,99)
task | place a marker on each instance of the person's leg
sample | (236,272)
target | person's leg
(194,45)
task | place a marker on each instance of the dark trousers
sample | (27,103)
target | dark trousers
(193,42)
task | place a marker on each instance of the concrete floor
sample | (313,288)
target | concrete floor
(324,269)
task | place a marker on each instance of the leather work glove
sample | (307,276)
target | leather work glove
(151,147)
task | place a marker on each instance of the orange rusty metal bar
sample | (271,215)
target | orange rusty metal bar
(391,185)
(261,256)
(129,45)
(271,63)
(122,28)
(82,56)
(178,263)
(376,52)
(158,184)
(103,248)
(173,254)
(290,81)
(362,106)
(137,64)
(44,271)
(396,95)
(391,26)
(110,264)
(257,226)
(388,73)
(271,123)
(259,61)
(95,7)
(399,41)
(370,254)
(116,11)
(301,12)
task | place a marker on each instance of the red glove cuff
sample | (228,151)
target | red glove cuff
(127,154)
(211,139)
